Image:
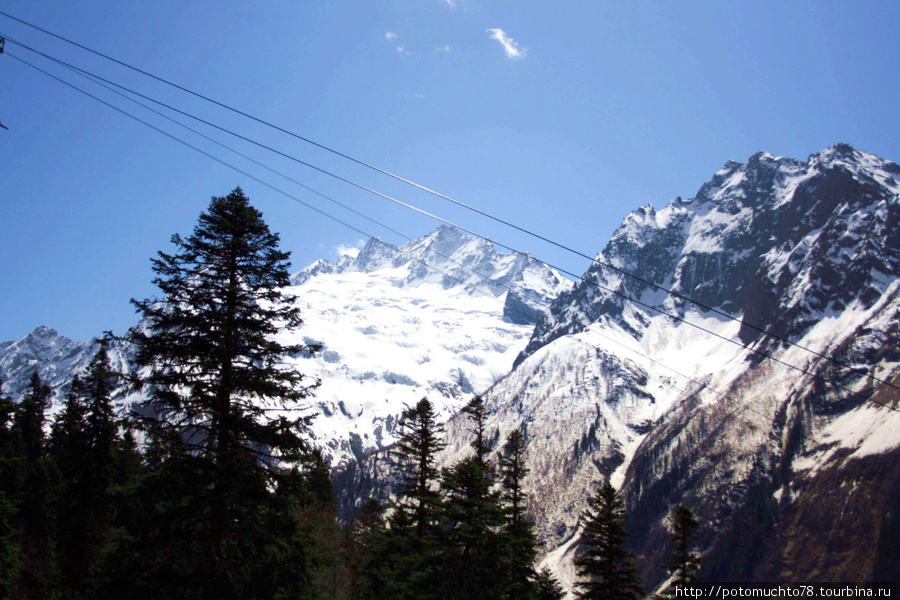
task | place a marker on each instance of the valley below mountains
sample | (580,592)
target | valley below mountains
(737,352)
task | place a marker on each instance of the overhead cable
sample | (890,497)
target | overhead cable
(593,259)
(675,317)
(727,414)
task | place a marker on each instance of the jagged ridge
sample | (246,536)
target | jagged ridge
(609,389)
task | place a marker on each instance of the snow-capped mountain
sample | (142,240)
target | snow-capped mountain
(56,358)
(729,404)
(44,350)
(442,316)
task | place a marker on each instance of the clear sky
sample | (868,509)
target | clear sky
(560,116)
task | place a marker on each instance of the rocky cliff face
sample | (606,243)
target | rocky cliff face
(761,402)
(775,240)
(56,359)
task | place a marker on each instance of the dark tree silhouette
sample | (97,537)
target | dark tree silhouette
(84,443)
(416,460)
(218,392)
(521,543)
(477,413)
(10,550)
(607,569)
(36,487)
(683,562)
(547,587)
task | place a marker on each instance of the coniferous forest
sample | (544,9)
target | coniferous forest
(207,490)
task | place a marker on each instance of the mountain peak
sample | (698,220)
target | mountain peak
(375,254)
(839,153)
(793,234)
(840,149)
(447,242)
(42,332)
(762,156)
(859,163)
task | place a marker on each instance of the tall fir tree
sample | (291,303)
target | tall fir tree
(10,469)
(607,570)
(416,461)
(410,544)
(477,413)
(365,555)
(472,541)
(513,470)
(117,566)
(683,562)
(35,496)
(208,353)
(69,446)
(84,443)
(520,541)
(547,587)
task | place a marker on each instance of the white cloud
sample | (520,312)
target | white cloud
(345,250)
(450,3)
(390,36)
(510,46)
(443,48)
(403,51)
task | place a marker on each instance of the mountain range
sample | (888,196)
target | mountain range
(441,316)
(737,352)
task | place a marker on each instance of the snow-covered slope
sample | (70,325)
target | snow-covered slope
(53,355)
(707,403)
(442,316)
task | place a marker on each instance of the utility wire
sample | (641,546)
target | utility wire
(280,174)
(98,81)
(430,215)
(702,387)
(461,228)
(505,222)
(180,141)
(720,408)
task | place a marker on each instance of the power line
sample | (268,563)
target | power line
(450,223)
(435,217)
(727,415)
(476,210)
(311,190)
(422,260)
(180,141)
(332,200)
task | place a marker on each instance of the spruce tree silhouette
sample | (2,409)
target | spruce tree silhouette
(607,569)
(219,391)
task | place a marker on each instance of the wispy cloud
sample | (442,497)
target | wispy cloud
(345,250)
(443,48)
(390,36)
(450,3)
(510,46)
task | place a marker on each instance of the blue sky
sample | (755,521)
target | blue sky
(562,117)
